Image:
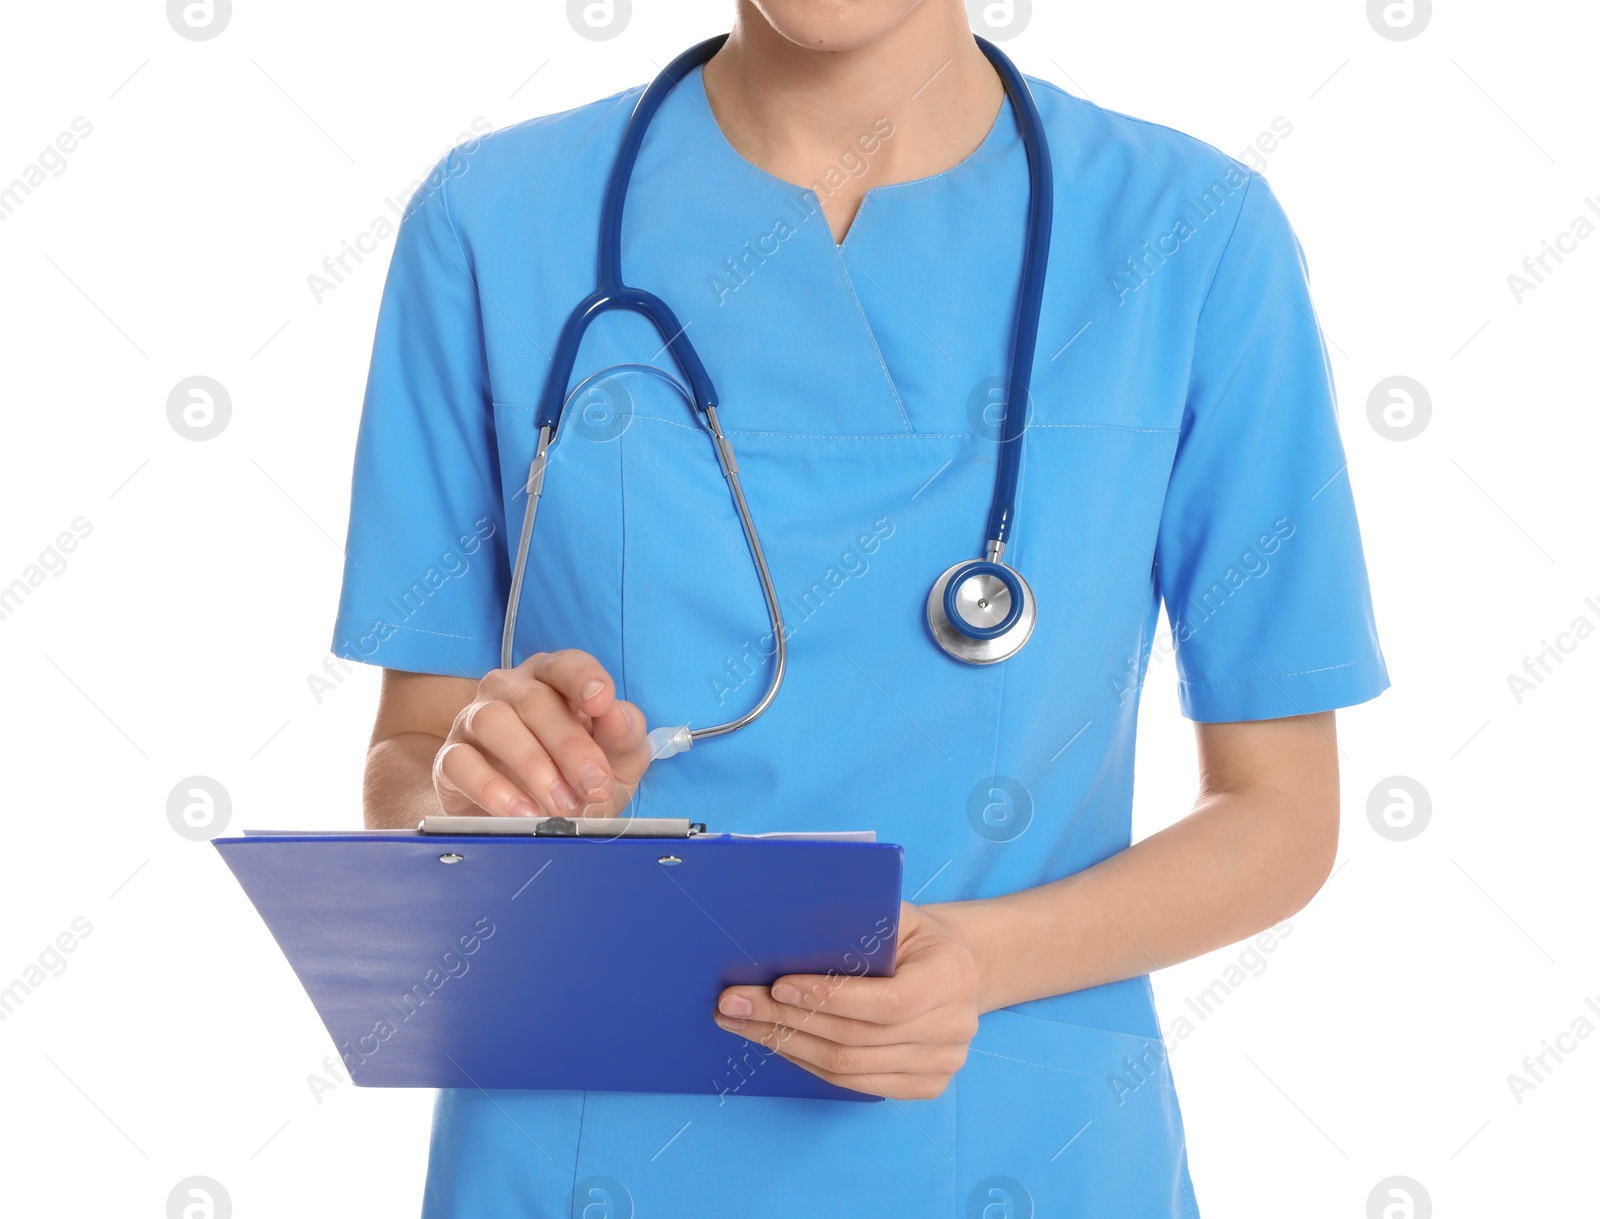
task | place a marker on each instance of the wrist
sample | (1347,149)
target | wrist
(978,926)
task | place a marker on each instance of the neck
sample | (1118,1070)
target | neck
(818,117)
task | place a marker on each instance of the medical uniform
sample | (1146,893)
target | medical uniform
(1182,447)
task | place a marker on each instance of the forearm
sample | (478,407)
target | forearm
(1242,861)
(397,791)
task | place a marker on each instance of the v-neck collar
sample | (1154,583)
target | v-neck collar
(693,87)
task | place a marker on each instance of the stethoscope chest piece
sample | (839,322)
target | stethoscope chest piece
(981,612)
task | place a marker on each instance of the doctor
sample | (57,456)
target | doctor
(835,209)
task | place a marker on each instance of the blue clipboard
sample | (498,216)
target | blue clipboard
(570,963)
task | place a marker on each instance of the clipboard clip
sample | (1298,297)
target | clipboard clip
(562,827)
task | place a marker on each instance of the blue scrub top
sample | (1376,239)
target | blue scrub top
(1182,448)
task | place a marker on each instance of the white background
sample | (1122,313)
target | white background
(178,640)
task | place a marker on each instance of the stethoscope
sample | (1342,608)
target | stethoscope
(980,611)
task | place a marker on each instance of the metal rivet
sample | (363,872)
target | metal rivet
(669,861)
(451,857)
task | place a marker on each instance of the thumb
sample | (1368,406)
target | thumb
(620,731)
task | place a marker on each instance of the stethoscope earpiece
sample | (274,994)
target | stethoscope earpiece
(981,612)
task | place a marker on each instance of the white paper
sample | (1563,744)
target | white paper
(817,835)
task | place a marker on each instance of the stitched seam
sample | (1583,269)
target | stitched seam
(1227,245)
(1043,1066)
(966,162)
(1349,664)
(687,427)
(1111,427)
(850,286)
(415,630)
(690,427)
(855,221)
(449,216)
(882,435)
(727,431)
(1239,681)
(1082,1028)
(577,1144)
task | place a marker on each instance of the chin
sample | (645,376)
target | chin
(834,25)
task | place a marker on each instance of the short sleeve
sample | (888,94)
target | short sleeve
(424,578)
(1259,556)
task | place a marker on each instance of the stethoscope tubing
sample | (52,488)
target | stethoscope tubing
(534,488)
(612,293)
(1030,298)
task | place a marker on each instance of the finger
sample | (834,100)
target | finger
(548,714)
(617,727)
(912,992)
(508,744)
(897,1058)
(916,1085)
(755,1005)
(801,1046)
(620,732)
(466,784)
(895,1087)
(579,677)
